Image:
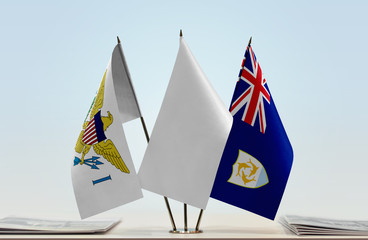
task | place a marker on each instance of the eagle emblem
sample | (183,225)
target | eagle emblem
(93,135)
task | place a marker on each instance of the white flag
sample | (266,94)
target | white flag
(188,138)
(103,173)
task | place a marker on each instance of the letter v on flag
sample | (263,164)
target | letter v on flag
(258,156)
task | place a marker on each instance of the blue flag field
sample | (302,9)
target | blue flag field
(258,156)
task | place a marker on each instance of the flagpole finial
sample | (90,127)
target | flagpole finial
(250,41)
(118,39)
(181,33)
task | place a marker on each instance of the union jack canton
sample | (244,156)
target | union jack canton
(252,91)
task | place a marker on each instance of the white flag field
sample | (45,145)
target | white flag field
(188,138)
(103,173)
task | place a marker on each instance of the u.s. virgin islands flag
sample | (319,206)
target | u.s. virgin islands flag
(103,172)
(258,156)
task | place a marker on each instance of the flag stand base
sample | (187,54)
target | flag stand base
(186,230)
(182,231)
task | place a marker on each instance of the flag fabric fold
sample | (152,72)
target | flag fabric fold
(258,156)
(103,173)
(188,137)
(123,86)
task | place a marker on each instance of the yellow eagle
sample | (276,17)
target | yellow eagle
(102,146)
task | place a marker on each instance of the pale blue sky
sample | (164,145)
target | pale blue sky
(313,55)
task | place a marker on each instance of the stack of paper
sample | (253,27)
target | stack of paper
(322,226)
(43,226)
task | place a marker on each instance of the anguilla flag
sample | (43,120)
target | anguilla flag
(258,156)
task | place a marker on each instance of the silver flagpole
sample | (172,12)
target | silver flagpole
(185,218)
(185,205)
(199,220)
(165,198)
(145,129)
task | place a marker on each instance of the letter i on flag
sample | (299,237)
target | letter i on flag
(258,156)
(103,174)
